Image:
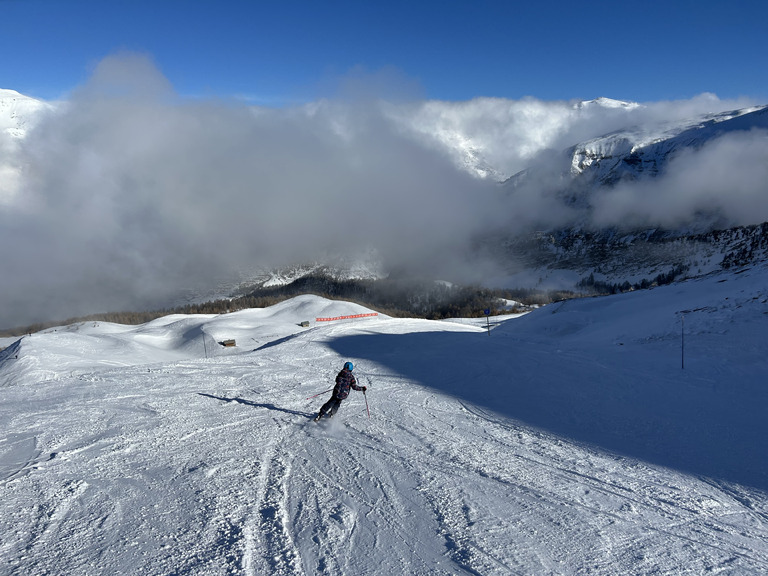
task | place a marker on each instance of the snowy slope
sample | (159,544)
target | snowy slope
(18,112)
(631,152)
(568,441)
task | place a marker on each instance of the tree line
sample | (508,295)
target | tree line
(599,287)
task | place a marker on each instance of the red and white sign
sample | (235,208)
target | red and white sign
(346,317)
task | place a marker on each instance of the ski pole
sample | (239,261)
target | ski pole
(366,404)
(318,394)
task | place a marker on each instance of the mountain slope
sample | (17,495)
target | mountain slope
(18,113)
(568,441)
(629,154)
(639,208)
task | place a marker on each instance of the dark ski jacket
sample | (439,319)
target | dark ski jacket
(344,381)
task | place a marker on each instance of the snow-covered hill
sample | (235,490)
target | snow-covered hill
(571,440)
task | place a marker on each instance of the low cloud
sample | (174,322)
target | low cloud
(128,194)
(726,181)
(511,135)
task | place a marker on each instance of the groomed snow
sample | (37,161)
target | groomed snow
(570,440)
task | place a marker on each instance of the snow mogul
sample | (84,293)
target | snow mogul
(344,381)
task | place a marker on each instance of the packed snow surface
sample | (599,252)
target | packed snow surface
(617,435)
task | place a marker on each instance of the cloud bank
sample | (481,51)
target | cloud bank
(725,181)
(511,135)
(129,194)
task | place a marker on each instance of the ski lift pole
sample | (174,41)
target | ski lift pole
(318,394)
(682,338)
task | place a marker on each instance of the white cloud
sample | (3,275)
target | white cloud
(726,179)
(509,135)
(128,193)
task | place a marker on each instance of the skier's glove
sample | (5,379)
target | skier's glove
(365,388)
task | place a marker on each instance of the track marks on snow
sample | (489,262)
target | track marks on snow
(364,515)
(18,455)
(272,517)
(641,508)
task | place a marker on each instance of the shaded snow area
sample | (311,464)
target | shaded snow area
(571,440)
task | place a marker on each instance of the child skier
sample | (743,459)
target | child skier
(344,381)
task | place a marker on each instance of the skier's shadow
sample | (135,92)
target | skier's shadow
(256,405)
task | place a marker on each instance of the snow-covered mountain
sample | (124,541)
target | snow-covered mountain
(629,252)
(607,260)
(601,436)
(603,102)
(364,267)
(18,113)
(633,153)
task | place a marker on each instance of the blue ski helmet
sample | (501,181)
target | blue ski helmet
(348,366)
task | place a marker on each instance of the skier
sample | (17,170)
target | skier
(344,381)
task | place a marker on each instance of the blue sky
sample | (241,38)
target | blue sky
(282,52)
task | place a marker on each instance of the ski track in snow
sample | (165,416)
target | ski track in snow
(213,466)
